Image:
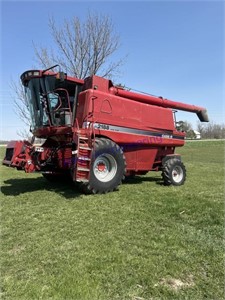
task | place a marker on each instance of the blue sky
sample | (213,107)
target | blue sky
(174,49)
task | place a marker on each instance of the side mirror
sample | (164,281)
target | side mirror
(61,76)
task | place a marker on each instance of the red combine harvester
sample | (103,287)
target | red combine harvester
(97,133)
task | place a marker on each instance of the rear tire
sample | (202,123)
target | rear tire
(108,167)
(173,172)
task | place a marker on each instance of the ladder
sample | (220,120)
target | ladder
(83,159)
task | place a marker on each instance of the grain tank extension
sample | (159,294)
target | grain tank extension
(96,134)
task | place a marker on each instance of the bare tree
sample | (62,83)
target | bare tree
(211,130)
(200,127)
(81,49)
(21,106)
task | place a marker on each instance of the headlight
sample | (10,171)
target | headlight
(31,73)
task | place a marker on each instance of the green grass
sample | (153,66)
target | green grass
(145,241)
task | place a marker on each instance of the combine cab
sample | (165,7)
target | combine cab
(96,133)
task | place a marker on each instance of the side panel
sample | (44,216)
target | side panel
(141,129)
(129,113)
(141,159)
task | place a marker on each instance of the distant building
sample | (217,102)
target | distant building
(197,135)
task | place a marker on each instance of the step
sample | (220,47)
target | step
(85,148)
(82,179)
(83,138)
(83,158)
(83,169)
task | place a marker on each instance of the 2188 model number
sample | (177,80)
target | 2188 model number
(102,126)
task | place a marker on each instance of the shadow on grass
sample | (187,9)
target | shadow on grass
(15,187)
(69,190)
(140,180)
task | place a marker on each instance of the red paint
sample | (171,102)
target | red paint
(143,125)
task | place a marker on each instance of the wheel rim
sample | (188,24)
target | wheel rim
(177,174)
(105,167)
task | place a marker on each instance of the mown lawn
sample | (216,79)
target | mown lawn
(145,241)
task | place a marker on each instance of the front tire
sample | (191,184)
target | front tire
(108,167)
(173,172)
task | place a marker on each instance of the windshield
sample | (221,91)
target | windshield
(51,102)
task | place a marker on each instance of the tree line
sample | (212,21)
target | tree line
(209,130)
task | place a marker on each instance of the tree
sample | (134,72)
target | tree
(183,126)
(81,49)
(187,128)
(211,130)
(21,108)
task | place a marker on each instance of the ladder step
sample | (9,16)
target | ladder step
(82,179)
(84,158)
(83,169)
(85,148)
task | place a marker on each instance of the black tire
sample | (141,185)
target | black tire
(173,172)
(108,168)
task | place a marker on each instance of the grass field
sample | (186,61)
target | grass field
(145,241)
